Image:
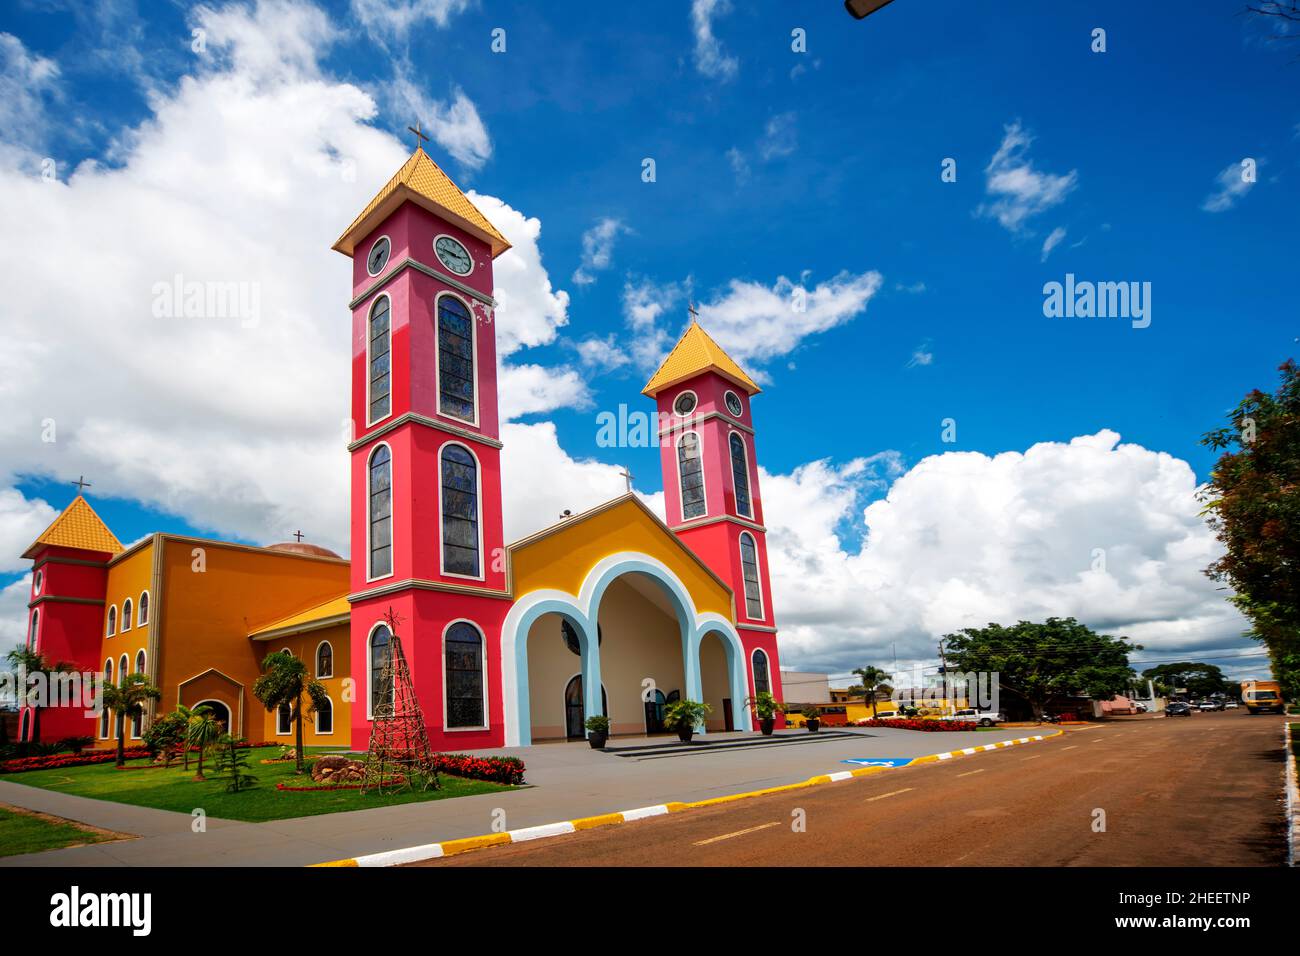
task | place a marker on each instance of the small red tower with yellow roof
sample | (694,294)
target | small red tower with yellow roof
(711,494)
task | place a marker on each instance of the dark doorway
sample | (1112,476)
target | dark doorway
(575,713)
(654,713)
(727,722)
(220,713)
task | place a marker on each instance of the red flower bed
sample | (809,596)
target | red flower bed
(508,770)
(58,761)
(913,723)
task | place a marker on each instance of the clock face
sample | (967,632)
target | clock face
(378,257)
(685,403)
(453,255)
(733,404)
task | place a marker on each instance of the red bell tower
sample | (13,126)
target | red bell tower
(426,525)
(711,495)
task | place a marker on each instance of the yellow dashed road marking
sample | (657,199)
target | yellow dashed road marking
(969,773)
(892,793)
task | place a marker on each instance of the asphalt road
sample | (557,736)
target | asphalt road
(1202,790)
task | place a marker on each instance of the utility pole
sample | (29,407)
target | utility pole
(943,663)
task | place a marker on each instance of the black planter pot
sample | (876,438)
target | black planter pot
(685,734)
(813,725)
(597,741)
(765,724)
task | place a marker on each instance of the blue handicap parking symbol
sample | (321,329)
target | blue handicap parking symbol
(880,761)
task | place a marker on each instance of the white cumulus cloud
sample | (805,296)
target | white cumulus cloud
(1018,191)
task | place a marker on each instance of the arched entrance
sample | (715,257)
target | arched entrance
(575,712)
(220,712)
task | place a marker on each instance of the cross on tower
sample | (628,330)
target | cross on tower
(297,536)
(420,138)
(81,483)
(690,307)
(626,473)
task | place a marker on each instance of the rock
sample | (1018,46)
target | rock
(337,769)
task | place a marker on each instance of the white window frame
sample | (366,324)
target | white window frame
(753,675)
(437,359)
(726,408)
(478,524)
(316,662)
(392,513)
(142,614)
(112,620)
(288,732)
(386,261)
(487,719)
(370,638)
(758,569)
(694,408)
(450,271)
(316,720)
(128,607)
(749,474)
(370,313)
(704,478)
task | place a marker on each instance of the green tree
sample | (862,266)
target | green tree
(127,699)
(873,678)
(1039,661)
(1252,502)
(22,659)
(1200,679)
(285,681)
(204,730)
(166,735)
(231,763)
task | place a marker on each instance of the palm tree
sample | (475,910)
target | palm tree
(872,679)
(284,682)
(32,662)
(127,698)
(204,731)
(187,716)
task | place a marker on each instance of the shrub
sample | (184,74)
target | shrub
(685,714)
(58,761)
(597,724)
(918,724)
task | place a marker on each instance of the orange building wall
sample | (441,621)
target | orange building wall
(206,617)
(129,576)
(339,687)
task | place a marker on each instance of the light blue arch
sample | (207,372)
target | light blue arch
(589,651)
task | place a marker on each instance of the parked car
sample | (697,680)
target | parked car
(1231,705)
(1179,709)
(983,718)
(1139,707)
(1207,705)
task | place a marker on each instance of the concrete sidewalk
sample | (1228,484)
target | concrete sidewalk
(568,780)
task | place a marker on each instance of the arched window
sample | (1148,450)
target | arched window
(103,716)
(740,475)
(749,571)
(37,582)
(571,636)
(144,608)
(379,351)
(381,512)
(36,620)
(762,683)
(381,688)
(459,512)
(283,720)
(139,661)
(325,717)
(126,615)
(690,470)
(325,660)
(463,650)
(455,359)
(112,620)
(123,668)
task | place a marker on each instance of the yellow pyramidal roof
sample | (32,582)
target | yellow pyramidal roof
(77,527)
(694,353)
(423,182)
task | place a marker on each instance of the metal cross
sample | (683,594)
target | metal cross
(297,536)
(81,483)
(420,138)
(627,474)
(690,307)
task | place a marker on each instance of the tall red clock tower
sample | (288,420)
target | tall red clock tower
(426,527)
(711,494)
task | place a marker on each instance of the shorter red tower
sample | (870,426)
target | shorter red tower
(711,494)
(65,622)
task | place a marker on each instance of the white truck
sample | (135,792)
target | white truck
(985,718)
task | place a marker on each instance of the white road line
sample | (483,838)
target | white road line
(892,793)
(1071,747)
(728,836)
(969,773)
(1034,757)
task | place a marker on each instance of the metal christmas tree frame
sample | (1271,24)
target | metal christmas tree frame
(399,757)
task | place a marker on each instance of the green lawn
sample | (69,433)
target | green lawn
(25,833)
(175,789)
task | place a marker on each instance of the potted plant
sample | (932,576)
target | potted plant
(598,731)
(684,716)
(812,716)
(766,707)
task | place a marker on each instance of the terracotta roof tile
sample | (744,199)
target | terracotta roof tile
(694,353)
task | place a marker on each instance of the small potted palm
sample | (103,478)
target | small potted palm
(766,707)
(684,716)
(598,731)
(812,716)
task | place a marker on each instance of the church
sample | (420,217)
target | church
(505,640)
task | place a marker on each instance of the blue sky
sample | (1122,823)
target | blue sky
(821,168)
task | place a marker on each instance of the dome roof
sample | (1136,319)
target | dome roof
(302,547)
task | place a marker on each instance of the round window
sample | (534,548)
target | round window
(39,578)
(685,403)
(733,404)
